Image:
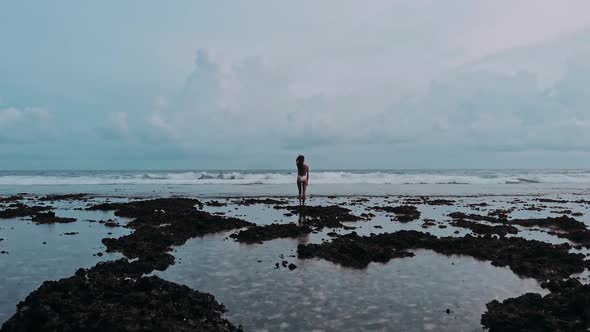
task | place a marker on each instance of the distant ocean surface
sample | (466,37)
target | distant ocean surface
(277,182)
(475,177)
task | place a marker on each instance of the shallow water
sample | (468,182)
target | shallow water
(409,294)
(37,253)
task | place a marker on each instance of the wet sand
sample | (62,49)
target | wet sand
(267,280)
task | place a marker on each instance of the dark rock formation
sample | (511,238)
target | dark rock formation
(567,308)
(100,300)
(266,201)
(162,223)
(322,216)
(259,234)
(136,209)
(438,201)
(12,199)
(51,218)
(403,213)
(564,226)
(66,197)
(478,228)
(215,203)
(18,210)
(527,258)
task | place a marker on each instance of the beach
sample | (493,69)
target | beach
(373,250)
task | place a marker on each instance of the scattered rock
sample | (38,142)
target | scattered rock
(259,234)
(11,199)
(367,216)
(99,300)
(215,203)
(136,209)
(266,201)
(403,213)
(564,226)
(428,201)
(428,223)
(549,200)
(292,266)
(351,252)
(563,223)
(357,201)
(322,216)
(500,213)
(475,217)
(111,223)
(18,210)
(478,228)
(562,212)
(527,258)
(66,197)
(531,207)
(566,308)
(162,223)
(50,218)
(70,233)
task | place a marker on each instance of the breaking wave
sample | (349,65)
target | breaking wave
(283,177)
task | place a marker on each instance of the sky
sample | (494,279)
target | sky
(384,84)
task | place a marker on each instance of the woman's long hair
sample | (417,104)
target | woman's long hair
(300,159)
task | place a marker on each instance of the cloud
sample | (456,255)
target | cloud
(486,111)
(503,25)
(402,80)
(25,125)
(228,104)
(245,106)
(119,123)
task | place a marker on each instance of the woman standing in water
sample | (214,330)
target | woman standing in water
(302,178)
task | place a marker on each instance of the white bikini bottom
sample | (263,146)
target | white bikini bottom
(301,178)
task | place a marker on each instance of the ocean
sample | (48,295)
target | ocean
(222,183)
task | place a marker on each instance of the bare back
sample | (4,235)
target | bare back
(302,169)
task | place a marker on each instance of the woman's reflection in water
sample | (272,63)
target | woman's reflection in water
(304,239)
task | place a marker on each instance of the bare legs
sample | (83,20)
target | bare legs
(300,189)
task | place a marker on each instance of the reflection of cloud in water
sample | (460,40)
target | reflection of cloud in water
(409,294)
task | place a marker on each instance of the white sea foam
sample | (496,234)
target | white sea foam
(318,177)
